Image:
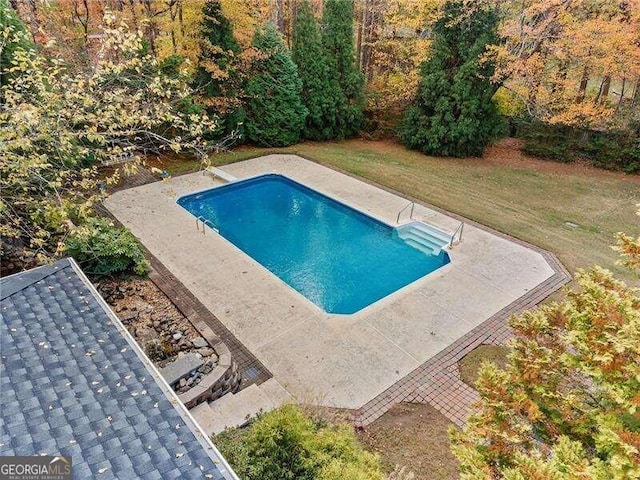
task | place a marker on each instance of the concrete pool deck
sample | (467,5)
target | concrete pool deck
(332,360)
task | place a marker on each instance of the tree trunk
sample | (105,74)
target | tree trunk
(280,16)
(603,93)
(34,21)
(181,20)
(582,91)
(361,32)
(82,15)
(624,84)
(152,27)
(636,92)
(173,14)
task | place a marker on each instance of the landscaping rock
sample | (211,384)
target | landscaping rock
(181,367)
(206,351)
(144,334)
(128,317)
(199,342)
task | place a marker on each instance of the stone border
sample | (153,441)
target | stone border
(437,381)
(224,378)
(207,324)
(244,369)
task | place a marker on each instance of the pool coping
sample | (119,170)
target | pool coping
(388,297)
(437,380)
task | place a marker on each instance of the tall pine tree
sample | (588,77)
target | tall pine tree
(320,93)
(338,42)
(275,113)
(453,113)
(217,78)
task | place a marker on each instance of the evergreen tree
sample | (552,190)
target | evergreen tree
(275,113)
(453,113)
(319,93)
(338,42)
(216,78)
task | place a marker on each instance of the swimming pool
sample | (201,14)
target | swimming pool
(339,258)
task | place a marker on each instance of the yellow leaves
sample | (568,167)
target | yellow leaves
(549,46)
(629,249)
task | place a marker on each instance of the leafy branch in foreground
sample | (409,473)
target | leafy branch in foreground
(567,406)
(57,127)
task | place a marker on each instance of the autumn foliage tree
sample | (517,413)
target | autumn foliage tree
(574,63)
(567,406)
(57,127)
(217,78)
(453,113)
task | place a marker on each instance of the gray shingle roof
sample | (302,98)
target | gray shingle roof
(74,382)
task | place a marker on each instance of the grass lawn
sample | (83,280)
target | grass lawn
(570,209)
(469,366)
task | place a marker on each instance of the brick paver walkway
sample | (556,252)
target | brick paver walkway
(437,381)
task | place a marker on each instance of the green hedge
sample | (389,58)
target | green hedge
(610,150)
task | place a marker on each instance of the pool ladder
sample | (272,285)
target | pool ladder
(410,204)
(201,221)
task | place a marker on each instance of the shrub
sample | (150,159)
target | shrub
(102,249)
(614,150)
(286,444)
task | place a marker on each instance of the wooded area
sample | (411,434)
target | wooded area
(573,62)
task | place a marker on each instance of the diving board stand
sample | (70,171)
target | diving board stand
(221,174)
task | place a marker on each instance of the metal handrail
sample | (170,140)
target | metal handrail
(410,204)
(211,226)
(206,222)
(459,229)
(200,219)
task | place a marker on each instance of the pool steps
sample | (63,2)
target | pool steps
(423,237)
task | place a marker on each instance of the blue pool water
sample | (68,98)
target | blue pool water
(340,259)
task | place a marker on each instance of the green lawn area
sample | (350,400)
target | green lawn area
(572,210)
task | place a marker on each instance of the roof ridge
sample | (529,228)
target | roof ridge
(19,281)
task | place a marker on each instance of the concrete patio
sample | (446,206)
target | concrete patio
(332,360)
